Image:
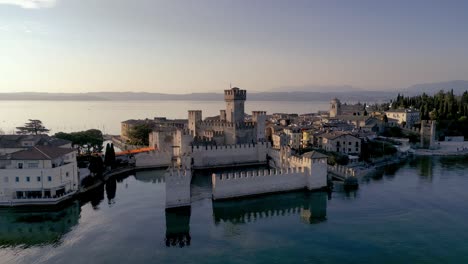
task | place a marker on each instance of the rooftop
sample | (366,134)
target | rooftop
(38,153)
(15,141)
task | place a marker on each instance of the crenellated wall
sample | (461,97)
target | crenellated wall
(256,182)
(153,159)
(211,156)
(178,187)
(342,171)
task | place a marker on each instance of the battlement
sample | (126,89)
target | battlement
(214,123)
(212,133)
(246,125)
(235,94)
(178,187)
(231,147)
(258,113)
(342,171)
(246,175)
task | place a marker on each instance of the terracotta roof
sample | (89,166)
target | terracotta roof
(38,153)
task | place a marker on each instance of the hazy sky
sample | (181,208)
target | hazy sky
(201,45)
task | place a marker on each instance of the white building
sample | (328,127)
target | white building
(294,137)
(403,116)
(341,142)
(38,175)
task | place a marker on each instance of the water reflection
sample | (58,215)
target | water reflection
(425,166)
(153,176)
(26,227)
(310,206)
(178,227)
(111,189)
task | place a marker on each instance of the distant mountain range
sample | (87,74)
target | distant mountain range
(458,86)
(305,93)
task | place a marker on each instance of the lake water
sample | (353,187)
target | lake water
(71,116)
(414,213)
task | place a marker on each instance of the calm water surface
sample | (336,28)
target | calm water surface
(414,213)
(71,116)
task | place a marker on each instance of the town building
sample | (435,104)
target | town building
(294,137)
(38,175)
(341,142)
(338,109)
(405,117)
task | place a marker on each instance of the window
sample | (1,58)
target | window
(66,174)
(28,179)
(20,165)
(38,178)
(357,144)
(349,149)
(357,150)
(33,165)
(49,178)
(349,143)
(17,179)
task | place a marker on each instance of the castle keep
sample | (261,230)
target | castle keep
(230,127)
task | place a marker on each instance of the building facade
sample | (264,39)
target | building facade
(40,173)
(344,143)
(407,117)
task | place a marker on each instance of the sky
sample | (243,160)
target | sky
(177,46)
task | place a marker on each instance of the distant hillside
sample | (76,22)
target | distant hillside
(49,96)
(363,96)
(458,87)
(318,88)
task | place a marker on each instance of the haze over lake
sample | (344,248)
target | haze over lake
(68,116)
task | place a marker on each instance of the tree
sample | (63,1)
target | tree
(109,158)
(89,140)
(385,119)
(33,127)
(139,134)
(96,165)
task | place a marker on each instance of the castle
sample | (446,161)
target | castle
(229,128)
(229,140)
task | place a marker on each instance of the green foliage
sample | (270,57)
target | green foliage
(392,132)
(334,157)
(376,149)
(139,134)
(33,127)
(441,106)
(96,165)
(450,111)
(89,140)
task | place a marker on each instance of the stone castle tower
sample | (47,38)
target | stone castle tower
(194,116)
(235,100)
(335,107)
